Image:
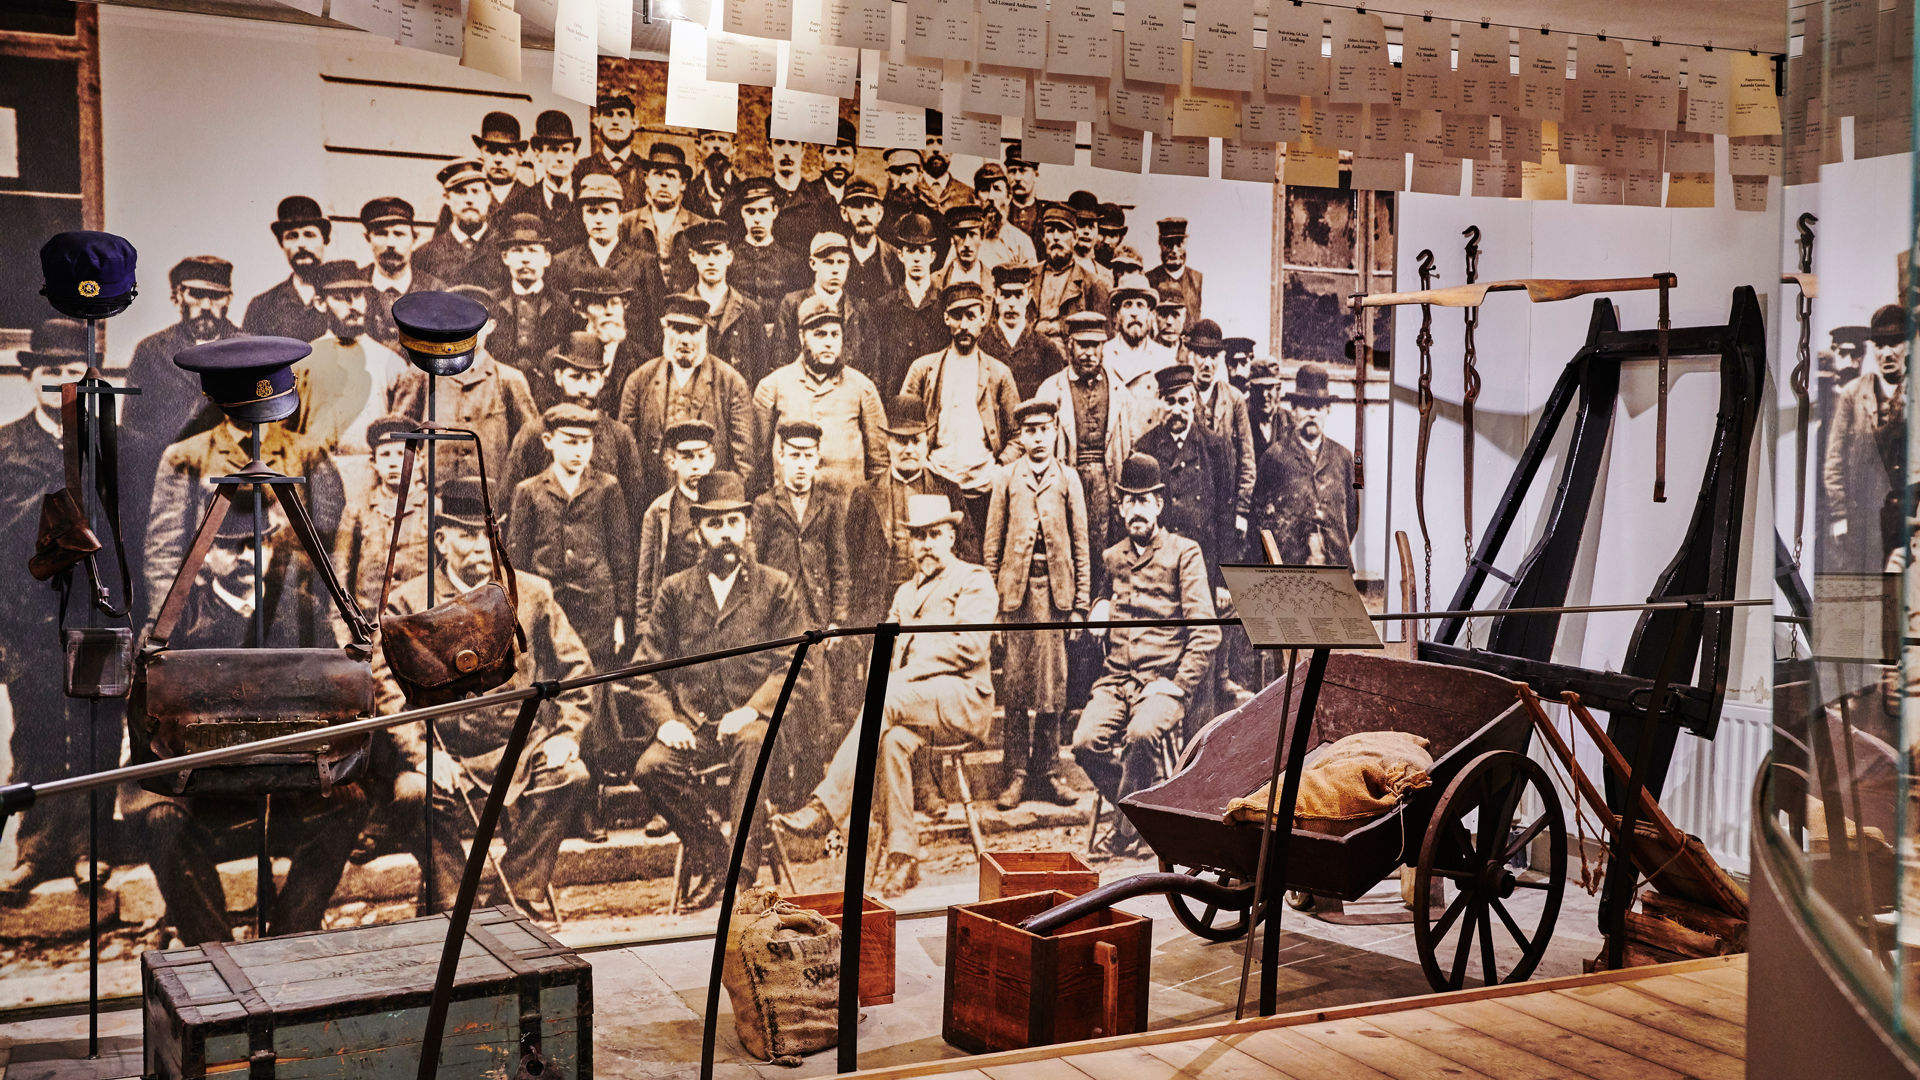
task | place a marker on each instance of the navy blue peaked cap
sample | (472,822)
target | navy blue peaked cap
(89,275)
(439,330)
(250,378)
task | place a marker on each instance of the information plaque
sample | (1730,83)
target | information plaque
(1300,607)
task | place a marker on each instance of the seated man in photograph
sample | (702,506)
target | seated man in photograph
(941,691)
(715,713)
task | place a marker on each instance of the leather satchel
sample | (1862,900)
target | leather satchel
(467,644)
(98,659)
(187,700)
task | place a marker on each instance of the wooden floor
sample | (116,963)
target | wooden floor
(1668,1022)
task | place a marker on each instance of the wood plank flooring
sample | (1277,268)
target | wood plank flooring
(1670,1022)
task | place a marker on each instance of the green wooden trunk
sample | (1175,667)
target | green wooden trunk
(352,1003)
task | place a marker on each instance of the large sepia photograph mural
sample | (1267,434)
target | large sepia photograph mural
(732,388)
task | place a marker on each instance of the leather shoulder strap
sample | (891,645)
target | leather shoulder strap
(502,567)
(176,600)
(106,479)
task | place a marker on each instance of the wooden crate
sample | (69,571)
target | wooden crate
(1008,989)
(876,940)
(1011,873)
(353,1003)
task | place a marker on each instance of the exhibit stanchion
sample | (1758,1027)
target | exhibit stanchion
(859,820)
(743,829)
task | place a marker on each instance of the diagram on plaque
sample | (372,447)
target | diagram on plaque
(1300,607)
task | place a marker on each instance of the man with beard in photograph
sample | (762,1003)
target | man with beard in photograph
(739,324)
(617,244)
(1173,277)
(703,716)
(829,189)
(664,215)
(713,184)
(1023,204)
(1065,285)
(906,187)
(1036,548)
(1010,337)
(576,372)
(765,267)
(1863,466)
(686,382)
(1199,471)
(556,154)
(941,188)
(463,252)
(551,785)
(966,231)
(1100,419)
(908,316)
(1239,363)
(390,236)
(1002,242)
(877,511)
(604,353)
(349,380)
(613,153)
(292,308)
(1267,417)
(1133,352)
(818,386)
(969,399)
(1304,491)
(491,399)
(1152,673)
(170,405)
(940,691)
(876,264)
(829,257)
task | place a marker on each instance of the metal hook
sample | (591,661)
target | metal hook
(1424,261)
(1472,233)
(1805,225)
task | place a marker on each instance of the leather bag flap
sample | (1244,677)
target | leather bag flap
(471,632)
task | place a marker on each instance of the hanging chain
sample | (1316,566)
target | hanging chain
(1803,399)
(1469,393)
(1425,341)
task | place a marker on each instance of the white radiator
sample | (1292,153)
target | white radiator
(1709,789)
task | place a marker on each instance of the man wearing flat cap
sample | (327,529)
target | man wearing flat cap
(1133,352)
(292,308)
(52,745)
(1170,320)
(1152,674)
(614,156)
(908,315)
(765,267)
(556,153)
(875,263)
(906,182)
(618,244)
(1011,337)
(668,541)
(969,398)
(576,372)
(830,259)
(664,214)
(388,223)
(551,785)
(533,314)
(686,382)
(966,231)
(819,387)
(1199,473)
(1064,284)
(1304,487)
(491,399)
(1173,277)
(462,251)
(877,511)
(739,323)
(1036,549)
(714,713)
(1100,419)
(1864,457)
(941,691)
(350,380)
(1267,413)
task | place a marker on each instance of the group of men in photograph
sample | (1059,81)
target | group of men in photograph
(716,407)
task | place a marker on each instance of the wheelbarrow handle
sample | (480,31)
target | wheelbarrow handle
(1233,897)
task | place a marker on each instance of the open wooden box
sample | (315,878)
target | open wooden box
(1008,989)
(1011,873)
(876,941)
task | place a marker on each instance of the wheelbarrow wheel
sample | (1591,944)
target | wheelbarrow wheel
(1471,840)
(1211,923)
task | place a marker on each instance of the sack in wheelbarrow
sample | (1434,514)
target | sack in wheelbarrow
(1353,779)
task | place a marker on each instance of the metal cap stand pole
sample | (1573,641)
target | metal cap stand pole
(431,438)
(91,404)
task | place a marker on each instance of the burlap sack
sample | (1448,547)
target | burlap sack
(783,975)
(1358,777)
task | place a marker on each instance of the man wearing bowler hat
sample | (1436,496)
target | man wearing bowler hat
(702,716)
(350,379)
(388,223)
(820,387)
(48,742)
(940,691)
(664,214)
(615,242)
(1011,337)
(739,324)
(502,155)
(1304,489)
(969,400)
(908,316)
(1864,450)
(1173,277)
(533,313)
(609,313)
(877,511)
(462,251)
(686,382)
(1152,674)
(1222,410)
(614,156)
(550,786)
(556,152)
(292,308)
